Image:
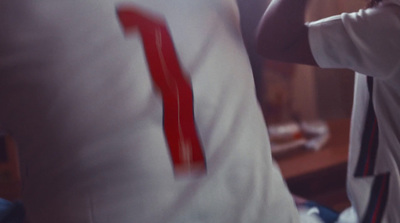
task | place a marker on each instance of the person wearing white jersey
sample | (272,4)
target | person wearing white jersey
(141,111)
(368,42)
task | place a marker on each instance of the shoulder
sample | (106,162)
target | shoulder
(372,25)
(383,15)
(366,41)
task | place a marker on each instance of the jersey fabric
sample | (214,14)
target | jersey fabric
(77,94)
(368,42)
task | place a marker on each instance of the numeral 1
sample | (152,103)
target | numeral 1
(177,94)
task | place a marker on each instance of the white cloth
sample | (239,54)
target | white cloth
(349,215)
(368,42)
(76,94)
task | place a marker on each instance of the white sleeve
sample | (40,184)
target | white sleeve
(367,41)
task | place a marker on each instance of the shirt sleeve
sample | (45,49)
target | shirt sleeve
(367,41)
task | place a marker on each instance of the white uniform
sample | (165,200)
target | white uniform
(368,42)
(77,93)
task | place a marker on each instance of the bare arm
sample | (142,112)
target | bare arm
(282,34)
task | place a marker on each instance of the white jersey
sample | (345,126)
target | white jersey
(368,42)
(137,112)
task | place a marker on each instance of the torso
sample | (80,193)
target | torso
(80,100)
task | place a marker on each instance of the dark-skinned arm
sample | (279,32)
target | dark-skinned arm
(282,33)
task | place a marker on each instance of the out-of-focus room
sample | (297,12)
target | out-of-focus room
(307,111)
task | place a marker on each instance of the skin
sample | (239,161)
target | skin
(282,34)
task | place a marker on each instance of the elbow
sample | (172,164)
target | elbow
(266,49)
(292,47)
(262,41)
(267,45)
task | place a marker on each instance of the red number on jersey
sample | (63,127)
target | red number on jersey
(179,125)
